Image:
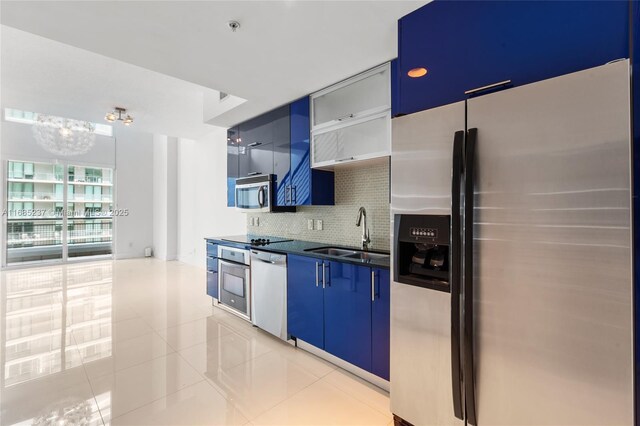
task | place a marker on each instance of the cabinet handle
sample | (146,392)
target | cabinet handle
(254,173)
(255,144)
(316,274)
(324,282)
(287,194)
(344,159)
(373,286)
(487,87)
(294,195)
(344,117)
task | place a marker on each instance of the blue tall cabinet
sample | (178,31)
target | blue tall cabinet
(466,45)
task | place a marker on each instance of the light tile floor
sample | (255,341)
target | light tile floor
(136,342)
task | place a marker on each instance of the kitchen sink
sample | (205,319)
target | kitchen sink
(350,254)
(333,251)
(364,255)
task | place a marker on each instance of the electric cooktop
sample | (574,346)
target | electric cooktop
(256,240)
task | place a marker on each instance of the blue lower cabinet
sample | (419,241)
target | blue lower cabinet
(347,313)
(212,269)
(380,323)
(212,249)
(342,308)
(212,263)
(305,302)
(212,284)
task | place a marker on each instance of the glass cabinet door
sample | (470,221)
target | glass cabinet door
(361,95)
(366,139)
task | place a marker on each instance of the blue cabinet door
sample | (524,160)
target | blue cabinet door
(232,165)
(306,186)
(212,269)
(380,323)
(305,304)
(347,313)
(470,44)
(212,284)
(281,154)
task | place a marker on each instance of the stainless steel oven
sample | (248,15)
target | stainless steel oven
(254,194)
(234,281)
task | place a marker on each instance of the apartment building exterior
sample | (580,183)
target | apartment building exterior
(36,213)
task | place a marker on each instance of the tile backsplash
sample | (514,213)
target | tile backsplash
(363,185)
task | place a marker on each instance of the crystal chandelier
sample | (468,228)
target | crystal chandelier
(63,136)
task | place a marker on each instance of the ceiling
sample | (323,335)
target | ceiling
(45,76)
(282,51)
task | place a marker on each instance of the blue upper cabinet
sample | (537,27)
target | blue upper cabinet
(470,44)
(305,186)
(277,143)
(347,312)
(281,152)
(232,165)
(301,185)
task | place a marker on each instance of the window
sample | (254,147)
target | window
(92,208)
(16,170)
(21,191)
(93,175)
(28,170)
(58,171)
(93,193)
(20,170)
(57,234)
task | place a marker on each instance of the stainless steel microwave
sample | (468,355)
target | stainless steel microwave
(254,194)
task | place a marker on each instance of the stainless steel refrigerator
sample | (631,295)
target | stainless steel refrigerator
(511,300)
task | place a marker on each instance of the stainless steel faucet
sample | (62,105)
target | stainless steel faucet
(362,213)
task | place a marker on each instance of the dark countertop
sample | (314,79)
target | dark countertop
(301,247)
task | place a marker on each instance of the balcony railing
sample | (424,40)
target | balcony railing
(34,196)
(49,177)
(48,196)
(58,177)
(48,232)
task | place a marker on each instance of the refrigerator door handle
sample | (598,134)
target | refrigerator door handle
(456,273)
(468,373)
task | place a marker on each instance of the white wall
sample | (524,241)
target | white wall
(134,191)
(165,180)
(202,196)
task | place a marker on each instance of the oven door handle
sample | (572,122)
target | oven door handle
(261,196)
(233,264)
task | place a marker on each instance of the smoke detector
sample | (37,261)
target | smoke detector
(233,25)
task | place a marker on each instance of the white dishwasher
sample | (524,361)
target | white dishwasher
(269,292)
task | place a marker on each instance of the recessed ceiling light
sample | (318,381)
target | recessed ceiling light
(417,72)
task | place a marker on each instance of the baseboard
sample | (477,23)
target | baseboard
(131,255)
(363,374)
